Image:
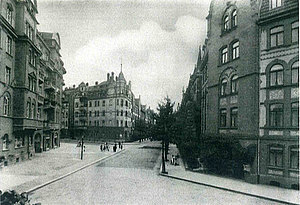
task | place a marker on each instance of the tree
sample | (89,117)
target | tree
(165,123)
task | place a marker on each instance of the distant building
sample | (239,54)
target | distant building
(31,84)
(104,111)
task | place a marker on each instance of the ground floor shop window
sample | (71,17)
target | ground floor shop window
(276,156)
(5,142)
(19,141)
(294,157)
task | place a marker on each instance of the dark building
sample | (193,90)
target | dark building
(31,84)
(248,76)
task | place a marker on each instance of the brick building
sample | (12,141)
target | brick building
(29,61)
(248,76)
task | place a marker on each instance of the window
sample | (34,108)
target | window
(223,114)
(33,112)
(110,102)
(117,112)
(121,123)
(295,32)
(295,72)
(103,103)
(276,36)
(275,156)
(7,75)
(117,101)
(8,45)
(126,113)
(126,125)
(235,50)
(5,142)
(223,87)
(226,23)
(39,113)
(275,3)
(90,104)
(276,115)
(126,103)
(294,158)
(98,103)
(76,114)
(224,55)
(103,113)
(90,113)
(122,103)
(76,104)
(234,84)
(234,18)
(6,105)
(121,112)
(276,75)
(9,14)
(103,122)
(234,117)
(295,114)
(95,103)
(19,141)
(117,123)
(28,108)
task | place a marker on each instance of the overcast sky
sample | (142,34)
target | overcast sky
(158,41)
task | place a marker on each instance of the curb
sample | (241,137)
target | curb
(72,172)
(230,190)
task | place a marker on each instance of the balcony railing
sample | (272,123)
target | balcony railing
(49,86)
(51,125)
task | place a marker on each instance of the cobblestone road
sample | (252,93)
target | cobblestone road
(132,178)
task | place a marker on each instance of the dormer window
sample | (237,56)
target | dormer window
(276,3)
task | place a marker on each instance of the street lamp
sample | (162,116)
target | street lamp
(81,156)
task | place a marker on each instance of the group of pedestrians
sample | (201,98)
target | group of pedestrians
(105,146)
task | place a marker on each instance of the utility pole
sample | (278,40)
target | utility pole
(81,156)
(163,170)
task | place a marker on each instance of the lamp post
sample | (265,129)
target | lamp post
(81,155)
(163,169)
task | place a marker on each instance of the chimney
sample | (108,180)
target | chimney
(96,83)
(112,75)
(87,84)
(73,86)
(107,76)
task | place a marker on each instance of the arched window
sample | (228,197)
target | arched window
(295,72)
(234,18)
(224,55)
(276,75)
(223,87)
(226,23)
(235,50)
(6,105)
(234,84)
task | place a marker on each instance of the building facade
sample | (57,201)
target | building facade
(279,93)
(248,75)
(29,60)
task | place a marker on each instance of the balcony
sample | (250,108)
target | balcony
(49,86)
(50,125)
(49,104)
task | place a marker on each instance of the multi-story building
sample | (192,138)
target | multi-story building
(102,111)
(279,93)
(248,73)
(29,60)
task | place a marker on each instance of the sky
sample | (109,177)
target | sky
(156,40)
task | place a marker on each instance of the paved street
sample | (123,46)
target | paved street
(132,178)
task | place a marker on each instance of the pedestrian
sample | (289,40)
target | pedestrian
(119,144)
(101,148)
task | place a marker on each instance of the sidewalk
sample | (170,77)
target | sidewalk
(233,185)
(48,166)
